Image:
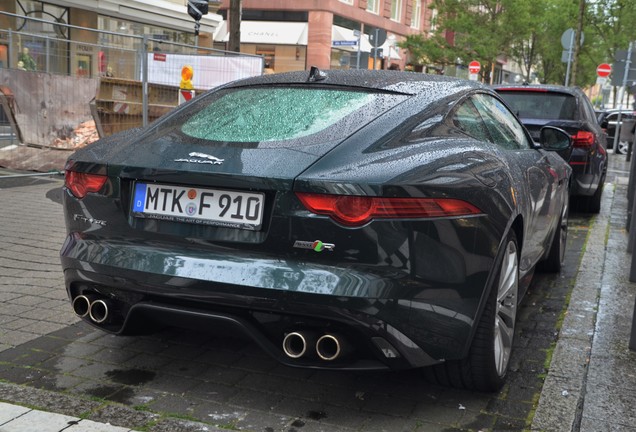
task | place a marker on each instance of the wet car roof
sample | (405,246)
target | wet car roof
(538,87)
(405,82)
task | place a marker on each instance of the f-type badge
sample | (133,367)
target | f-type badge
(317,245)
(201,158)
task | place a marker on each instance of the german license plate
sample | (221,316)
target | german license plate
(232,209)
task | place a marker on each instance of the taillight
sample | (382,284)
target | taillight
(82,183)
(358,210)
(583,139)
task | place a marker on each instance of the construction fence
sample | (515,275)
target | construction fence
(58,95)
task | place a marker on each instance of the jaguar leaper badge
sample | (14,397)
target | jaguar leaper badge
(201,158)
(317,245)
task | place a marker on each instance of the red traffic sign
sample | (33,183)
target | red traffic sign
(603,70)
(474,67)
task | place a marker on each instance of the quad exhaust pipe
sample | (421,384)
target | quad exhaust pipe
(295,344)
(327,347)
(82,305)
(98,310)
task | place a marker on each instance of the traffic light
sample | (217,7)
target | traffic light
(197,8)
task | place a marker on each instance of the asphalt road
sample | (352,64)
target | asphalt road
(180,380)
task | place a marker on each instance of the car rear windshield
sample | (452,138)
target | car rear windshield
(541,105)
(258,114)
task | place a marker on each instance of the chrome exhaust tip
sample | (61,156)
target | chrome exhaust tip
(329,347)
(98,311)
(81,305)
(295,345)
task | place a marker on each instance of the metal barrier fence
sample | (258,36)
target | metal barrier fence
(59,94)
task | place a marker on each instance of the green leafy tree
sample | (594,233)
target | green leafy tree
(557,17)
(482,30)
(427,51)
(528,33)
(611,24)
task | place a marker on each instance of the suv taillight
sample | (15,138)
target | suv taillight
(583,139)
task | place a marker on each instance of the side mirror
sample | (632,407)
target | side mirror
(554,139)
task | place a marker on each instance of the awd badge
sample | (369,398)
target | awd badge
(317,245)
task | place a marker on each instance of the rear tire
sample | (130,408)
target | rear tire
(486,366)
(621,147)
(556,256)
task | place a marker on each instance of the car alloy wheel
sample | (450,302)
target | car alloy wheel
(506,308)
(622,147)
(486,366)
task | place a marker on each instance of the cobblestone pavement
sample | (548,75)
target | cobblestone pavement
(179,380)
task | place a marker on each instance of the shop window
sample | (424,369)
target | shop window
(269,57)
(84,66)
(42,11)
(47,49)
(4,55)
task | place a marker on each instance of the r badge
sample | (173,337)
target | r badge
(317,245)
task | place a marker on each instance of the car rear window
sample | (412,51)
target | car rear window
(541,105)
(285,113)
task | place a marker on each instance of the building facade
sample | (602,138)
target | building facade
(330,34)
(289,34)
(56,20)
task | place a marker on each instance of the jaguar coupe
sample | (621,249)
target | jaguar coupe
(349,220)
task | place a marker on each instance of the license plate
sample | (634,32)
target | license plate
(232,209)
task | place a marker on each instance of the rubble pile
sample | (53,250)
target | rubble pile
(79,137)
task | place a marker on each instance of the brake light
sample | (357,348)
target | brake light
(358,210)
(81,184)
(522,89)
(583,139)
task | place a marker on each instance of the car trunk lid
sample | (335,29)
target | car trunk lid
(231,163)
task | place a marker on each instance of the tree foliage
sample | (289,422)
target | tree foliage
(482,30)
(528,33)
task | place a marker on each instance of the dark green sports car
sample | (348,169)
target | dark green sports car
(351,220)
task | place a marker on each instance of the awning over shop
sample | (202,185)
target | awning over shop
(162,13)
(391,50)
(267,32)
(343,39)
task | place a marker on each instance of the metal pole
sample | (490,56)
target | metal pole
(628,62)
(567,72)
(630,202)
(632,337)
(375,50)
(144,80)
(10,53)
(49,173)
(629,225)
(359,45)
(48,50)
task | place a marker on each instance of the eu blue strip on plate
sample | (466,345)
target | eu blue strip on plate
(140,197)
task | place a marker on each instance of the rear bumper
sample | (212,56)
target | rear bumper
(371,343)
(389,321)
(588,172)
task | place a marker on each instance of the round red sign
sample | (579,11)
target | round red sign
(474,67)
(603,70)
